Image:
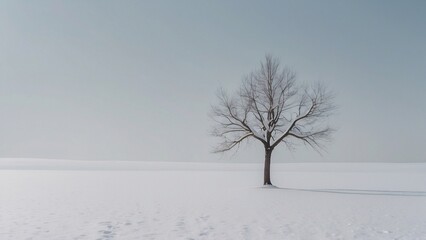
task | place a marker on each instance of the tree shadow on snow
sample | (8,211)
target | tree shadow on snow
(356,191)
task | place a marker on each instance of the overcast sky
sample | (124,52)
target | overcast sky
(134,80)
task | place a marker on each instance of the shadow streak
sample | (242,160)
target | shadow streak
(357,191)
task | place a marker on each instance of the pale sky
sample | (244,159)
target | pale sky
(134,80)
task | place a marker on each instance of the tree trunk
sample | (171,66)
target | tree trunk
(267,170)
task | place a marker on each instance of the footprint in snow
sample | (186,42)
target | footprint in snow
(108,232)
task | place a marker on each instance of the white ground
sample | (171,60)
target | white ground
(317,201)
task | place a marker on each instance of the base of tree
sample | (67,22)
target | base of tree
(269,186)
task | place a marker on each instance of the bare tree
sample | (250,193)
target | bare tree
(272,108)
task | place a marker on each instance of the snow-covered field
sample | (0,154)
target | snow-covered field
(210,201)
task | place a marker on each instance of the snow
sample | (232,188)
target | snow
(210,200)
